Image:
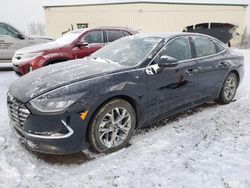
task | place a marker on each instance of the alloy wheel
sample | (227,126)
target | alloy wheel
(230,88)
(115,127)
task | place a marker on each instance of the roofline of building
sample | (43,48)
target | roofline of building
(142,2)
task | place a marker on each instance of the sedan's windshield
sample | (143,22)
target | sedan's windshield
(69,37)
(128,51)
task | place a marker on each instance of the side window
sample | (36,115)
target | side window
(219,46)
(113,35)
(2,30)
(178,48)
(5,30)
(8,30)
(204,46)
(94,37)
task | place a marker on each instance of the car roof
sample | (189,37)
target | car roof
(166,35)
(169,35)
(103,27)
(114,27)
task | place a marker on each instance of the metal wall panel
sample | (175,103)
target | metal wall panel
(146,17)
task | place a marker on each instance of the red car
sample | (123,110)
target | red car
(73,45)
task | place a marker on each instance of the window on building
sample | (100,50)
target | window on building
(204,46)
(94,37)
(113,35)
(82,25)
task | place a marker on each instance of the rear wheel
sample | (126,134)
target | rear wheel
(228,89)
(112,126)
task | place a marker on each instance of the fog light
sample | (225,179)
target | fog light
(84,115)
(30,68)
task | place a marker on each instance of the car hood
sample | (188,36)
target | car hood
(39,48)
(51,77)
(44,38)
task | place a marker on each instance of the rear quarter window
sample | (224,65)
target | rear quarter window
(219,46)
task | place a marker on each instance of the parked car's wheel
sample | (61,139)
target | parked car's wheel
(112,126)
(228,89)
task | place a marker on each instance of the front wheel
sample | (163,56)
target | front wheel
(112,126)
(228,89)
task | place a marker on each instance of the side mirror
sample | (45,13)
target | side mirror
(82,43)
(167,61)
(20,36)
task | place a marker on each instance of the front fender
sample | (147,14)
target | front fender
(128,86)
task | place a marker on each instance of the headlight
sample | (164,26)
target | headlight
(55,101)
(27,57)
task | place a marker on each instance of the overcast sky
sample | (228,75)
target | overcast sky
(21,12)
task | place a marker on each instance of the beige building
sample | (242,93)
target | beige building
(145,16)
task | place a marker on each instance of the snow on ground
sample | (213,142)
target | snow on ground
(206,147)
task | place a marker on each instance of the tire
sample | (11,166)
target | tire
(228,89)
(112,127)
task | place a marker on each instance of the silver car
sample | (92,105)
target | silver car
(11,39)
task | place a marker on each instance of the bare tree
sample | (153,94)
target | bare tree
(36,28)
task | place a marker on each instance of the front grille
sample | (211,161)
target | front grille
(18,112)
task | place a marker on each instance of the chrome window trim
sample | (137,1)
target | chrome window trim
(192,59)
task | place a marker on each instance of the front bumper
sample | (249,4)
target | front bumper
(22,68)
(53,134)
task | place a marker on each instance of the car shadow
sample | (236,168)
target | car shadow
(157,124)
(67,159)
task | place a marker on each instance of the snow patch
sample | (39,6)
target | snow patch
(206,147)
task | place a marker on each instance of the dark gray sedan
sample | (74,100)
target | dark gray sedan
(98,101)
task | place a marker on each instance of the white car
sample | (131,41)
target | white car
(11,39)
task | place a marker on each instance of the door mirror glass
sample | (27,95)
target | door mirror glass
(167,61)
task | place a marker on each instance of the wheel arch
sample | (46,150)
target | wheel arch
(237,74)
(126,98)
(231,71)
(53,61)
